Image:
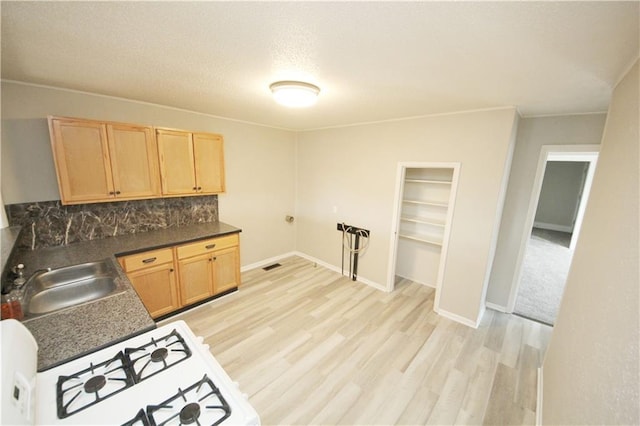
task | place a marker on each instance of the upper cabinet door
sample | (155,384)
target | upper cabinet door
(98,161)
(133,161)
(209,163)
(81,157)
(177,168)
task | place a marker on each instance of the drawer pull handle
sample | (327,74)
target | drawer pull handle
(210,246)
(150,260)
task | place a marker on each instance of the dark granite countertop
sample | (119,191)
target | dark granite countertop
(73,332)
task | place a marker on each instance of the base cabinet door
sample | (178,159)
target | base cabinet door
(154,278)
(157,288)
(196,279)
(226,267)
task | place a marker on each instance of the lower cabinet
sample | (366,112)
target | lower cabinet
(208,267)
(153,276)
(196,279)
(172,278)
(226,269)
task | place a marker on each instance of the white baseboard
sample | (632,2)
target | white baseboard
(377,286)
(458,318)
(496,307)
(553,227)
(274,259)
(539,399)
(418,281)
(336,269)
(483,309)
(266,262)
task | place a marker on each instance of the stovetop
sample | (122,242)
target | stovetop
(166,376)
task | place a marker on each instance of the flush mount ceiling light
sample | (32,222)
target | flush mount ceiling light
(295,94)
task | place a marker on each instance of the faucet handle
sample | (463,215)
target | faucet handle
(19,280)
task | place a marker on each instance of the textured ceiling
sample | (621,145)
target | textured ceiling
(373,60)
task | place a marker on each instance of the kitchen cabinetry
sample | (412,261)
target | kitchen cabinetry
(190,163)
(208,267)
(153,276)
(173,278)
(102,161)
(426,210)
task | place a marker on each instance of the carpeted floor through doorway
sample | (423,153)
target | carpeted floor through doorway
(545,269)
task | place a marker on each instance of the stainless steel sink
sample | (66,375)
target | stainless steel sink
(50,291)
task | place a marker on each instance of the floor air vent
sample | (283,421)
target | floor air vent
(270,267)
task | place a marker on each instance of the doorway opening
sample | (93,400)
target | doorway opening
(561,191)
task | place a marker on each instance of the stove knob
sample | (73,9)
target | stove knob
(206,346)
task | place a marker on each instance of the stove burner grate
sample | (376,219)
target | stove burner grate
(200,403)
(157,355)
(92,385)
(98,382)
(139,420)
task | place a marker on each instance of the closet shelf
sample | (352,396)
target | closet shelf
(424,221)
(426,203)
(421,239)
(443,182)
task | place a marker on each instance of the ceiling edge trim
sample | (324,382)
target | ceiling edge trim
(413,117)
(339,126)
(135,101)
(567,114)
(626,70)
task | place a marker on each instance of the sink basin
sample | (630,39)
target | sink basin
(50,291)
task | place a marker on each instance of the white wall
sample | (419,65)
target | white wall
(349,175)
(591,369)
(533,133)
(559,195)
(260,161)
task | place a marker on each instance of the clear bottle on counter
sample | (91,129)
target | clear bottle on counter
(12,305)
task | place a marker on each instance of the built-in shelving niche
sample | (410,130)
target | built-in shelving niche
(424,220)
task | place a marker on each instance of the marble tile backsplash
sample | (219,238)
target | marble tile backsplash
(49,223)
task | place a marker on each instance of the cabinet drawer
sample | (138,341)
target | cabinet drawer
(147,259)
(204,246)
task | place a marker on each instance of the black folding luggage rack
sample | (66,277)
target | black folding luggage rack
(355,249)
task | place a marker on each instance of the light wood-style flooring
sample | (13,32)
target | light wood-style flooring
(312,347)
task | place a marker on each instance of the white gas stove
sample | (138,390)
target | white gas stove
(166,376)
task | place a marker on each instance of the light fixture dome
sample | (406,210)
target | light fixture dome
(295,94)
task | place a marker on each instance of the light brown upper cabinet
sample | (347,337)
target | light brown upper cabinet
(100,161)
(190,163)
